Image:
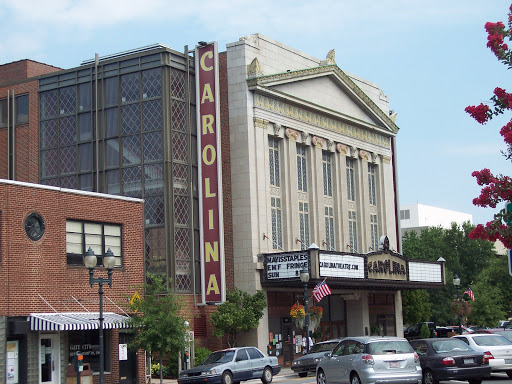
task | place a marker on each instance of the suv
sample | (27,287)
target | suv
(413,331)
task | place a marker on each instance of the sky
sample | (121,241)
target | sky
(428,56)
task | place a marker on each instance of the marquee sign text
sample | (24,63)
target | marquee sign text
(285,266)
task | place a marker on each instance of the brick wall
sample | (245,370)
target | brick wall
(23,69)
(27,136)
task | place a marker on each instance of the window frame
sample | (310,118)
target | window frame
(372,184)
(350,170)
(302,168)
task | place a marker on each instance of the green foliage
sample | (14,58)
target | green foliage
(424,332)
(486,311)
(155,370)
(416,306)
(159,326)
(200,355)
(240,312)
(469,259)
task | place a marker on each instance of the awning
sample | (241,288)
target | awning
(75,321)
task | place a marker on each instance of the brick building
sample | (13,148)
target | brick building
(48,310)
(19,135)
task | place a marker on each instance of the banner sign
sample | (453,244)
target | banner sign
(210,176)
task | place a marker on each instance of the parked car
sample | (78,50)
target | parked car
(370,359)
(413,331)
(232,365)
(450,359)
(505,332)
(307,363)
(497,348)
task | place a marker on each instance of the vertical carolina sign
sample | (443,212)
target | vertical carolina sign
(210,176)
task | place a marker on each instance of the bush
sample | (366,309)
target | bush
(155,370)
(424,331)
(201,354)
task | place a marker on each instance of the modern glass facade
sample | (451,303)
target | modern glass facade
(130,131)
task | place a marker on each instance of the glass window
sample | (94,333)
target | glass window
(241,355)
(374,231)
(111,91)
(329,228)
(85,97)
(81,235)
(113,182)
(3,113)
(327,172)
(302,176)
(85,126)
(67,101)
(254,353)
(304,224)
(151,83)
(130,89)
(48,104)
(21,109)
(273,152)
(352,230)
(372,183)
(87,342)
(350,179)
(86,156)
(277,229)
(112,153)
(112,122)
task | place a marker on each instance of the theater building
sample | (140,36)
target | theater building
(48,310)
(313,163)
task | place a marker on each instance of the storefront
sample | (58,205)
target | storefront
(365,296)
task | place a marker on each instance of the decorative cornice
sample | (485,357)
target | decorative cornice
(260,123)
(353,151)
(304,136)
(277,129)
(330,144)
(325,69)
(318,142)
(386,159)
(342,148)
(297,113)
(291,134)
(364,155)
(374,156)
(254,69)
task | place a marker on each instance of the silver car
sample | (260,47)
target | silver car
(307,363)
(370,360)
(496,348)
(232,366)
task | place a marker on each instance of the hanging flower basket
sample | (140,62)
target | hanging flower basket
(315,316)
(298,314)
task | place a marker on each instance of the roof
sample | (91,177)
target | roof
(74,321)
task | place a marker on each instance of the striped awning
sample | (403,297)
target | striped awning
(75,321)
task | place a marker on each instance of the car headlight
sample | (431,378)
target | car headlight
(318,359)
(210,372)
(295,362)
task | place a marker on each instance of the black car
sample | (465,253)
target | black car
(450,359)
(413,331)
(307,363)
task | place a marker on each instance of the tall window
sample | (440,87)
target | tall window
(352,230)
(302,175)
(273,156)
(277,230)
(351,194)
(304,224)
(20,108)
(374,231)
(327,173)
(329,228)
(372,183)
(80,236)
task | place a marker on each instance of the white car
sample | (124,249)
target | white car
(496,348)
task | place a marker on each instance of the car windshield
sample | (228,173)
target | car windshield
(323,347)
(389,346)
(493,340)
(449,346)
(219,357)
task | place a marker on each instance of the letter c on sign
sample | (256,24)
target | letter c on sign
(208,54)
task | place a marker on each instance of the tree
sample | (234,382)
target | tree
(416,306)
(486,310)
(158,323)
(239,313)
(496,188)
(425,331)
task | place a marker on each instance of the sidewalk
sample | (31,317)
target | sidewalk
(285,371)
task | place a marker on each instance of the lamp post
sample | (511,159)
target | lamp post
(304,277)
(109,262)
(456,282)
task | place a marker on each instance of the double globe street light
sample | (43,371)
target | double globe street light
(109,262)
(456,282)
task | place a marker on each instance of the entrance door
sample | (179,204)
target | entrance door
(49,359)
(127,363)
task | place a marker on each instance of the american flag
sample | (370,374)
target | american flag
(469,292)
(321,290)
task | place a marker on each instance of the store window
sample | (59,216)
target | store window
(87,343)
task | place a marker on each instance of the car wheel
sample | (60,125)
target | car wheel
(355,379)
(267,376)
(303,374)
(475,381)
(509,373)
(320,377)
(428,378)
(227,378)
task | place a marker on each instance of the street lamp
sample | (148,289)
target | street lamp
(304,277)
(456,282)
(109,262)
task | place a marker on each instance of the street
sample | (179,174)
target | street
(496,378)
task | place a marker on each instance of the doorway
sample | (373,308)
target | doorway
(49,359)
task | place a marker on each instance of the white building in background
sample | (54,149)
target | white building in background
(418,216)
